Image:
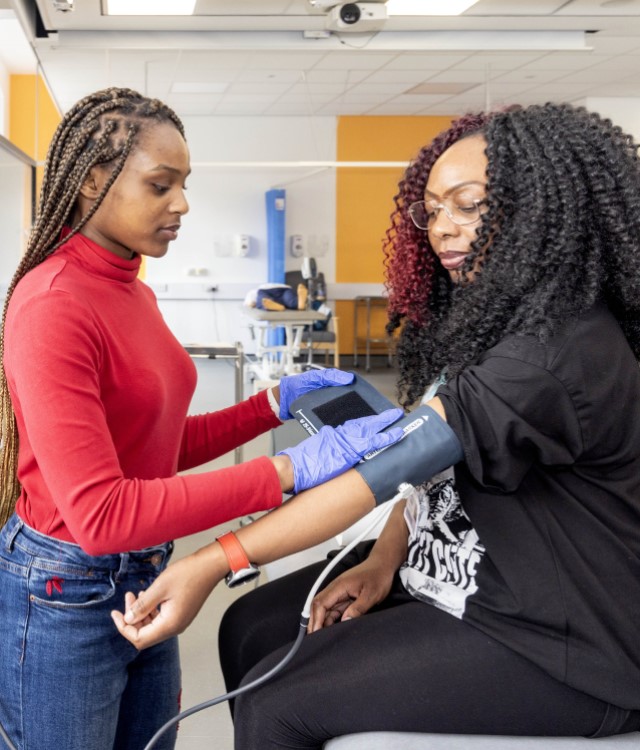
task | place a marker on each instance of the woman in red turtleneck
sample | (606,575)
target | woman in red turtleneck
(94,396)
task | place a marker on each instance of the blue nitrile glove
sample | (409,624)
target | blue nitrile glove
(335,449)
(293,386)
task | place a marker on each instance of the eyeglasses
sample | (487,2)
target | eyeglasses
(424,213)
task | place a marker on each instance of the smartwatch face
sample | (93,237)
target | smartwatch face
(242,576)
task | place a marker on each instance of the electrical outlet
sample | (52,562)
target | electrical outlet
(296,245)
(241,245)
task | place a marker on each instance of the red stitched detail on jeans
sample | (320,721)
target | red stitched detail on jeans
(179,707)
(54,583)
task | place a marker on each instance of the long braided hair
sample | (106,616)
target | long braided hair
(100,129)
(561,232)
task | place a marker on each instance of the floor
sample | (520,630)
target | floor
(211,729)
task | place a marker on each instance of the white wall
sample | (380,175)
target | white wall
(15,180)
(227,201)
(622,112)
(4,100)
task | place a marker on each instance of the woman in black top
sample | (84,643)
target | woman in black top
(513,268)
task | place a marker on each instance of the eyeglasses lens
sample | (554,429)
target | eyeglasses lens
(423,213)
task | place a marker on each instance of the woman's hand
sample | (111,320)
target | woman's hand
(332,451)
(351,595)
(173,600)
(360,588)
(292,387)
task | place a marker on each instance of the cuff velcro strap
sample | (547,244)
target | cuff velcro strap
(429,445)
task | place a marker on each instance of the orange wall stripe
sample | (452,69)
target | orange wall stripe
(33,118)
(364,201)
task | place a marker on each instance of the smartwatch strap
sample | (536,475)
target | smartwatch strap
(236,556)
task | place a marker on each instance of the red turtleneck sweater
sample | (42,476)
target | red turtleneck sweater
(100,389)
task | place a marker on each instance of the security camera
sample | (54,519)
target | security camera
(357,17)
(350,13)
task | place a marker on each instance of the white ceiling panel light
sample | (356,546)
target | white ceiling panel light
(149,7)
(428,7)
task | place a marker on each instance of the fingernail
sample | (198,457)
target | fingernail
(128,617)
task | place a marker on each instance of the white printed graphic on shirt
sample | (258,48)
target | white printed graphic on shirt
(444,549)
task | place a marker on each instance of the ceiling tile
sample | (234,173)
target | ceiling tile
(353,61)
(318,88)
(425,61)
(591,76)
(381,88)
(273,89)
(529,76)
(192,104)
(612,45)
(287,108)
(460,76)
(566,60)
(344,108)
(424,100)
(399,76)
(283,61)
(333,75)
(497,61)
(268,75)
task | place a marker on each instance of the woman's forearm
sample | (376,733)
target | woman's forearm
(304,521)
(390,549)
(308,519)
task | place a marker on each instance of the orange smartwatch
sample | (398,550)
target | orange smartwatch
(242,570)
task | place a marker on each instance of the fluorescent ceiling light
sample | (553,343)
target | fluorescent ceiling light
(150,7)
(428,7)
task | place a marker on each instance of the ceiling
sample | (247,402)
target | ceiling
(255,57)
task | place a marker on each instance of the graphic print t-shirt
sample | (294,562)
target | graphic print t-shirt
(444,549)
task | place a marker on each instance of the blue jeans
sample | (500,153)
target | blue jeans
(68,680)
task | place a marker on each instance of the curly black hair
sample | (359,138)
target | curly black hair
(561,232)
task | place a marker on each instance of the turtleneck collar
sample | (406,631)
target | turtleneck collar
(98,260)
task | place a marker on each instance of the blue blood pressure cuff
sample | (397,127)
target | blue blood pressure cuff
(335,405)
(429,445)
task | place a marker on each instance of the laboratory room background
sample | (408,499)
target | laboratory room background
(300,117)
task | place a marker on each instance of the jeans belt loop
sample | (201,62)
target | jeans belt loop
(124,565)
(14,533)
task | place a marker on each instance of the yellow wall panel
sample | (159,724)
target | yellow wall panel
(33,118)
(364,198)
(386,138)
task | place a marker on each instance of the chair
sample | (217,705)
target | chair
(327,341)
(417,741)
(313,340)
